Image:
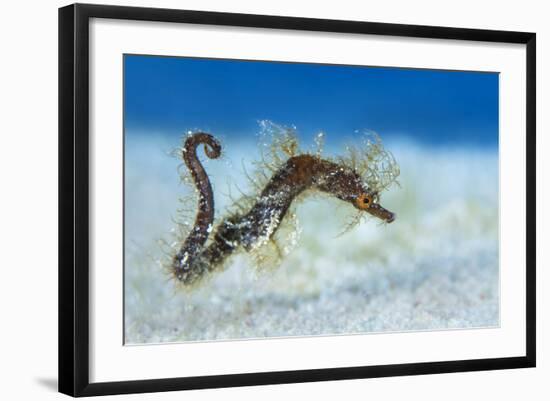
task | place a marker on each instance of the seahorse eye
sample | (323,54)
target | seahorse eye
(364,201)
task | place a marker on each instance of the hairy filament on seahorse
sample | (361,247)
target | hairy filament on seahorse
(257,226)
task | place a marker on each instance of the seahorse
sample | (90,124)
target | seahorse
(249,230)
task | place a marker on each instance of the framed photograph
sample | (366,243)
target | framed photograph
(251,199)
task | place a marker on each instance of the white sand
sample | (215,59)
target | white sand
(435,267)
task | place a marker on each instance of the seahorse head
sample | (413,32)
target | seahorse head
(368,202)
(348,184)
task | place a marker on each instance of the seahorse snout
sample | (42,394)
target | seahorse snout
(376,210)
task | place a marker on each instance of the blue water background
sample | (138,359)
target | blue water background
(171,95)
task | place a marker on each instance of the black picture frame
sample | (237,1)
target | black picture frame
(74,198)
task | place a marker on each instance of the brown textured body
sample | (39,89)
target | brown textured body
(260,223)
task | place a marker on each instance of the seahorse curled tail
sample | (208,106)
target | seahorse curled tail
(186,261)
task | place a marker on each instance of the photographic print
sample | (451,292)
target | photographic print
(271,199)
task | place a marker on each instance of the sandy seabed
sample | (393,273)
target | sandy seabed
(436,267)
